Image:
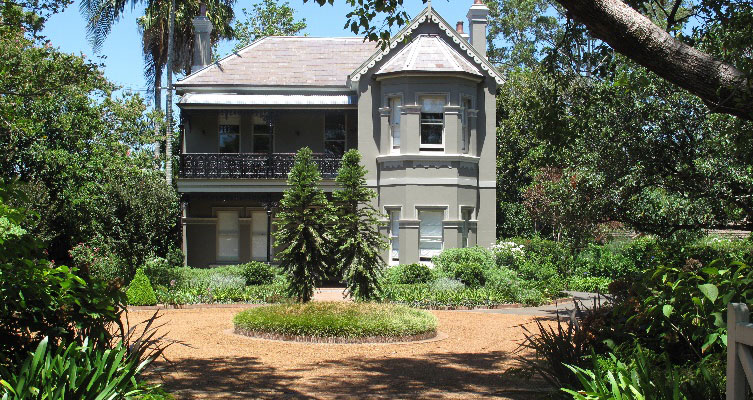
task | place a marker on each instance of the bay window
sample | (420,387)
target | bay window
(432,122)
(395,103)
(430,233)
(465,139)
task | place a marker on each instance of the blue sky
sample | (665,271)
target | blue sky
(121,52)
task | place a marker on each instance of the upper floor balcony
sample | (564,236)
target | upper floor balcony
(249,165)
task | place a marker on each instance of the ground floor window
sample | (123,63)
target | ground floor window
(228,236)
(394,235)
(466,216)
(430,233)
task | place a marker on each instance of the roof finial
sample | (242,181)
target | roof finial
(429,5)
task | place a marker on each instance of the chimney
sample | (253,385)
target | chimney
(477,25)
(202,48)
(459,28)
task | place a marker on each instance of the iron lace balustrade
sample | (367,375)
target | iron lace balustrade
(249,165)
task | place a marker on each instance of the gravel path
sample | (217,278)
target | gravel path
(467,363)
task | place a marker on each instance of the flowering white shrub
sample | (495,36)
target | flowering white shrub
(507,253)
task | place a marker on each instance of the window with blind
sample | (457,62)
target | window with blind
(395,103)
(432,122)
(430,233)
(228,236)
(394,235)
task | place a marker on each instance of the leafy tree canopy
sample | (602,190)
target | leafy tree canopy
(266,18)
(81,154)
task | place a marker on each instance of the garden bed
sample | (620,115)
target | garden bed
(337,322)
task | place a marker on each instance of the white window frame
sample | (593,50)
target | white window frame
(391,213)
(271,133)
(395,126)
(229,118)
(345,131)
(432,147)
(440,238)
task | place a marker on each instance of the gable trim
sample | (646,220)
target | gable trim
(428,16)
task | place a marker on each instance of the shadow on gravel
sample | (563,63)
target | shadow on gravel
(438,375)
(456,375)
(236,378)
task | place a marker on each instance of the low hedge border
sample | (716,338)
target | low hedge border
(335,340)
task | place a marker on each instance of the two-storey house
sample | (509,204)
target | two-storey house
(421,112)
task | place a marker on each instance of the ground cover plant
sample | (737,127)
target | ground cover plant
(337,319)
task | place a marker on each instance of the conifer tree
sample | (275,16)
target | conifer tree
(303,222)
(359,243)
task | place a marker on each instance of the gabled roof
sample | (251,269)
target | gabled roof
(286,61)
(428,53)
(428,15)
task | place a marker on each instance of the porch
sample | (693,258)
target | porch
(249,165)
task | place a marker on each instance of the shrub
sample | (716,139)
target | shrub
(589,283)
(98,258)
(447,285)
(258,273)
(409,274)
(336,319)
(175,257)
(558,254)
(507,254)
(602,261)
(449,259)
(39,298)
(472,275)
(140,292)
(159,271)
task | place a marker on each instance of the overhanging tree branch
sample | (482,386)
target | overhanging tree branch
(723,87)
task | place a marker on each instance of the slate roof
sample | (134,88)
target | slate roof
(287,61)
(428,53)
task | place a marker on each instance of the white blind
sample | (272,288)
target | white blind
(228,232)
(430,232)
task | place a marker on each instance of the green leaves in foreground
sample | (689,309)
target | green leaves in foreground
(75,372)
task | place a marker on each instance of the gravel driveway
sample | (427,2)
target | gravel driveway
(467,363)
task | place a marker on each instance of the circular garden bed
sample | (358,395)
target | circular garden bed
(337,322)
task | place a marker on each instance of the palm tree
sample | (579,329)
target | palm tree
(153,26)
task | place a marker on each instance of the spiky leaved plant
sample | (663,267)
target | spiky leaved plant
(303,221)
(359,243)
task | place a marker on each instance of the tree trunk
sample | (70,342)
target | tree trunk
(723,88)
(157,106)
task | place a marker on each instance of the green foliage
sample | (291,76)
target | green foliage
(409,274)
(359,244)
(82,156)
(602,261)
(258,273)
(303,228)
(99,260)
(450,259)
(159,271)
(75,371)
(336,319)
(267,18)
(471,274)
(634,381)
(451,293)
(140,292)
(39,298)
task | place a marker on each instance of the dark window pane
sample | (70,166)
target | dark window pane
(230,138)
(334,148)
(432,117)
(262,144)
(261,129)
(334,135)
(431,134)
(334,121)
